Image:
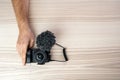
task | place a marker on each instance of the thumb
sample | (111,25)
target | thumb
(31,43)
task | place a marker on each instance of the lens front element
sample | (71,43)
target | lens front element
(39,56)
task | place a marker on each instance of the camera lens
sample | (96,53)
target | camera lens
(39,56)
(36,55)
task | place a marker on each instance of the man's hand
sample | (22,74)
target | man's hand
(25,41)
(26,36)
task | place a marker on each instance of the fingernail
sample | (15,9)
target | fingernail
(24,64)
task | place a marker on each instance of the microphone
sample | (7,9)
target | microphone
(46,40)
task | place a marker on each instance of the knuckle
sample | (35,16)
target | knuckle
(23,56)
(32,41)
(23,50)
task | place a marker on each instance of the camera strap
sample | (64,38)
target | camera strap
(64,54)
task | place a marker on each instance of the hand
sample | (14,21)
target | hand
(26,36)
(25,40)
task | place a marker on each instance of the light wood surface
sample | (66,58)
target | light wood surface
(89,29)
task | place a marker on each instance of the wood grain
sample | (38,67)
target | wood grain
(89,29)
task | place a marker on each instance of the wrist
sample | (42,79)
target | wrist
(24,27)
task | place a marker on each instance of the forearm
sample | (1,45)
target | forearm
(21,8)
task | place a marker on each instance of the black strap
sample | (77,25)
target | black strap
(64,53)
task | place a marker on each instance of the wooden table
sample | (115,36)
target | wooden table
(90,29)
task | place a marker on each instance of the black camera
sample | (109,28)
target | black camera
(37,55)
(45,41)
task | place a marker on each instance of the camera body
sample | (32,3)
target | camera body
(41,54)
(37,55)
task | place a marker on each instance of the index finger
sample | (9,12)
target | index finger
(24,51)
